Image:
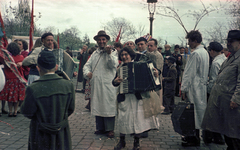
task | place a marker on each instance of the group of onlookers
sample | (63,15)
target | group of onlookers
(208,78)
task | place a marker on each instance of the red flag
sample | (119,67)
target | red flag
(4,41)
(31,30)
(117,39)
(58,41)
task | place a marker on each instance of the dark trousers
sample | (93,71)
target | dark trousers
(168,100)
(84,83)
(232,143)
(105,123)
(177,86)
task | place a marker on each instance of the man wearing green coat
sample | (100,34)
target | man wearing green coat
(48,103)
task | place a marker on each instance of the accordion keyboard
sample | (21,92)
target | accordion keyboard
(124,76)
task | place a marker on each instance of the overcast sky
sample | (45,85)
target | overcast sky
(88,16)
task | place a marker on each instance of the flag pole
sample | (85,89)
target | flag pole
(31,31)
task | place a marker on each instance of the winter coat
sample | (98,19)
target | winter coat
(48,103)
(170,79)
(82,61)
(219,117)
(194,82)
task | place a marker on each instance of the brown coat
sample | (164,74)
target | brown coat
(157,60)
(219,117)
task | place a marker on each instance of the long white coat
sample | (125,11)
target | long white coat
(215,67)
(103,93)
(194,82)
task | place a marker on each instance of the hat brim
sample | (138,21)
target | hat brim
(97,36)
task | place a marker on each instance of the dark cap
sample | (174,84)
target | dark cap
(176,46)
(140,39)
(215,46)
(101,33)
(46,59)
(45,35)
(172,59)
(233,35)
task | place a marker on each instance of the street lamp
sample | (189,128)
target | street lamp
(151,9)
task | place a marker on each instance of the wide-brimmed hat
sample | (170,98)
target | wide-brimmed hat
(233,35)
(101,33)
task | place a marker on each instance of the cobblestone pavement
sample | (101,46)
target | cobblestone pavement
(14,133)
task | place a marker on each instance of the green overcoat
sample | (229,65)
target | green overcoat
(48,103)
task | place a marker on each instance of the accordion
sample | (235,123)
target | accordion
(138,77)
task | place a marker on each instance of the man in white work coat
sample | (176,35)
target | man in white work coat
(194,82)
(101,69)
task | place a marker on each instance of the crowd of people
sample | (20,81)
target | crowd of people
(207,77)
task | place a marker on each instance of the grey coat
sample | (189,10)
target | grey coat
(219,117)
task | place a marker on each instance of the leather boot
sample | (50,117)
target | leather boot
(121,144)
(136,145)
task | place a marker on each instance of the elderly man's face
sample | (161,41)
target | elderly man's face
(131,45)
(102,42)
(142,46)
(233,45)
(151,46)
(48,41)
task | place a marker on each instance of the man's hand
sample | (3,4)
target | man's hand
(118,80)
(89,75)
(108,49)
(75,74)
(179,58)
(233,105)
(183,95)
(81,51)
(19,64)
(155,72)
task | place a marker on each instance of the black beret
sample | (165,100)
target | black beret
(215,46)
(45,35)
(140,39)
(172,59)
(46,59)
